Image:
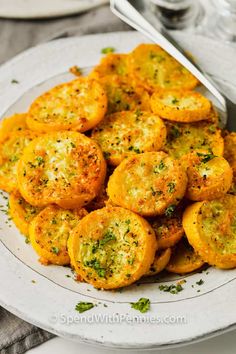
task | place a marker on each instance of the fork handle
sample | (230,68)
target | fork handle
(127,13)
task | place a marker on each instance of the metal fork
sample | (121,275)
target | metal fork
(130,12)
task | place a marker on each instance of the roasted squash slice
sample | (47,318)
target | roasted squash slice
(180,106)
(11,150)
(111,65)
(49,232)
(168,230)
(15,123)
(148,184)
(209,176)
(127,133)
(122,95)
(210,227)
(77,105)
(112,247)
(161,260)
(154,69)
(183,138)
(184,259)
(65,168)
(21,212)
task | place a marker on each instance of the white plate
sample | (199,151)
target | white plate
(45,296)
(31,9)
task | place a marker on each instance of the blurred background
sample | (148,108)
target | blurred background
(24,23)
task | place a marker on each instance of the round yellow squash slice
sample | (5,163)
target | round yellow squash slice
(111,65)
(65,168)
(11,150)
(180,106)
(183,138)
(149,184)
(15,123)
(122,95)
(209,176)
(161,260)
(155,69)
(184,259)
(77,105)
(168,230)
(21,212)
(49,232)
(126,133)
(210,227)
(112,247)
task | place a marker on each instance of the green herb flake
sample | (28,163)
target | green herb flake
(175,101)
(84,306)
(27,240)
(55,250)
(109,236)
(159,167)
(40,160)
(205,157)
(142,305)
(170,210)
(14,81)
(200,282)
(173,289)
(107,50)
(171,187)
(95,264)
(133,148)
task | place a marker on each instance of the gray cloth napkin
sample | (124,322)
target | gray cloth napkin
(17,336)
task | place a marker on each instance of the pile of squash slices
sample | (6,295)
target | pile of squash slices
(123,173)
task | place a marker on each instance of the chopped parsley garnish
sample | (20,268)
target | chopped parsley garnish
(84,306)
(173,289)
(14,81)
(55,250)
(200,282)
(95,264)
(170,210)
(159,167)
(175,100)
(40,160)
(132,148)
(109,236)
(27,240)
(142,305)
(171,187)
(108,50)
(205,157)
